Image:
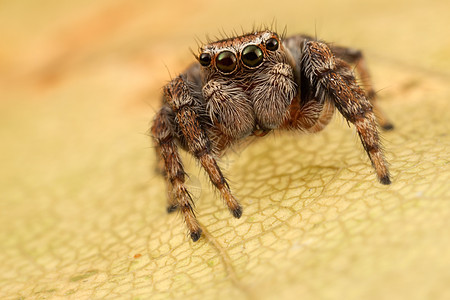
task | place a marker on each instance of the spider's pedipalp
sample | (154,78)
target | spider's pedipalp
(273,93)
(229,108)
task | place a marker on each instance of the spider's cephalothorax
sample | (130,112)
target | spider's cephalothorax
(253,84)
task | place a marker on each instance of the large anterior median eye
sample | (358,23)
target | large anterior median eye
(252,56)
(226,62)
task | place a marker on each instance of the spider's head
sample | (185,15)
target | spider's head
(253,73)
(242,54)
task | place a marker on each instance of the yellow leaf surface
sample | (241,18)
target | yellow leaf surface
(82,216)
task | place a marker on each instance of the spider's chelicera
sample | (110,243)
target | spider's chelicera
(251,85)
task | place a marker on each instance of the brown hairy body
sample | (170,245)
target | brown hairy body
(251,85)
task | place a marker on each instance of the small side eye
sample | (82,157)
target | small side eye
(205,59)
(272,44)
(252,56)
(226,62)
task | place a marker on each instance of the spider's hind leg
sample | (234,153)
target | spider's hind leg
(356,57)
(333,80)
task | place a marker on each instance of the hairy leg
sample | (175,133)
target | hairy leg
(324,119)
(200,147)
(179,196)
(356,57)
(333,80)
(180,97)
(313,116)
(162,121)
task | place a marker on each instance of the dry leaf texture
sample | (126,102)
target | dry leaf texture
(82,216)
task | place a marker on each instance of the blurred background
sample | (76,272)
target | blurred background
(79,83)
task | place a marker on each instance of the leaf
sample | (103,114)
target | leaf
(82,216)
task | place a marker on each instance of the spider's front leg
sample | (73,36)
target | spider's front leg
(333,79)
(356,57)
(180,96)
(166,147)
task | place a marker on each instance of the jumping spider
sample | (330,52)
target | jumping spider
(253,84)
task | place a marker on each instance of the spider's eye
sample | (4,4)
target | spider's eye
(272,44)
(252,56)
(226,62)
(205,59)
